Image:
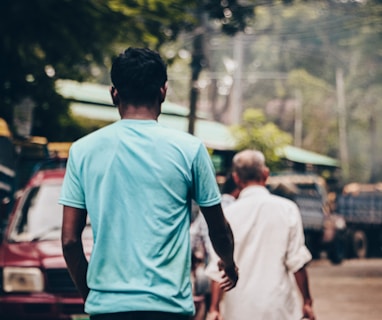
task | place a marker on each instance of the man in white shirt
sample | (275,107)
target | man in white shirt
(269,248)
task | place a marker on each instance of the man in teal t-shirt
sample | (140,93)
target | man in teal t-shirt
(135,179)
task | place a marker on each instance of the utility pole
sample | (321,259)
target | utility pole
(236,100)
(342,123)
(298,119)
(197,64)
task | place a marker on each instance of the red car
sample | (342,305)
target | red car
(35,283)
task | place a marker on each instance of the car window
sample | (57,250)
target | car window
(40,216)
(309,190)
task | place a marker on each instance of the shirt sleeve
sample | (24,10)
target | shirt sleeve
(297,253)
(72,193)
(206,192)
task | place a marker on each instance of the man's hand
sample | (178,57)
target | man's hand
(214,315)
(308,312)
(230,276)
(223,243)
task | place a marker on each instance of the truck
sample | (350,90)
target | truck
(361,206)
(323,230)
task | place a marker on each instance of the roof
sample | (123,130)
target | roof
(93,101)
(299,155)
(98,94)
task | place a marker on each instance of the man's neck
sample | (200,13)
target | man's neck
(252,183)
(138,112)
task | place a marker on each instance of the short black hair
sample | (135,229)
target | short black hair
(138,74)
(229,185)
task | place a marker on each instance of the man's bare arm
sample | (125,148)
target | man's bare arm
(223,243)
(303,285)
(216,296)
(74,222)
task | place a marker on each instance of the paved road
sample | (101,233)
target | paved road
(350,291)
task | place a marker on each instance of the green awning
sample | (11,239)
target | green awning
(93,101)
(214,134)
(308,157)
(98,94)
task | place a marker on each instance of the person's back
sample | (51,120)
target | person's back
(136,179)
(263,225)
(137,176)
(269,247)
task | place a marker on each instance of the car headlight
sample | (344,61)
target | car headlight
(16,279)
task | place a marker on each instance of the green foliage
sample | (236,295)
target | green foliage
(41,41)
(256,133)
(302,44)
(317,100)
(233,15)
(307,43)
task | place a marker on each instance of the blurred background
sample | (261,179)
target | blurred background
(299,80)
(311,69)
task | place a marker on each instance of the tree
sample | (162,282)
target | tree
(327,42)
(47,40)
(42,41)
(233,17)
(256,133)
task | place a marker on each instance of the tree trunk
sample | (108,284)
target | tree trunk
(199,61)
(298,120)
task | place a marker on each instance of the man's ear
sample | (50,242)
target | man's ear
(266,173)
(114,95)
(163,91)
(236,179)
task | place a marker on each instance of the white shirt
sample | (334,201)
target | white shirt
(269,248)
(227,199)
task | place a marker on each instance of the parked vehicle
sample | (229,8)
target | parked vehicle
(7,173)
(35,283)
(324,232)
(361,206)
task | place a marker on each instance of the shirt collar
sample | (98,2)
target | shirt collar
(251,190)
(134,122)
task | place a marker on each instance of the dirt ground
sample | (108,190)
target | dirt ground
(349,291)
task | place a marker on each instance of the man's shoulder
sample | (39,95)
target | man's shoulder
(288,203)
(178,134)
(94,138)
(170,137)
(263,198)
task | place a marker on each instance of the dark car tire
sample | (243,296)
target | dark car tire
(337,250)
(313,243)
(360,245)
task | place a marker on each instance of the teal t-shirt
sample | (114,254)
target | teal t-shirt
(136,179)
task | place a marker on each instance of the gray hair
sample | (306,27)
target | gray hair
(249,165)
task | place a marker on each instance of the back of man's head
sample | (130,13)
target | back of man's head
(138,74)
(249,166)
